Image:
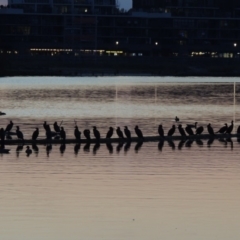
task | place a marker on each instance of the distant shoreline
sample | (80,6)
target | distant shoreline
(14,65)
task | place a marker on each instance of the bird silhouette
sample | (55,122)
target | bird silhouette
(35,134)
(96,133)
(223,129)
(199,130)
(119,132)
(210,129)
(127,132)
(181,130)
(160,130)
(77,133)
(171,130)
(19,133)
(86,134)
(138,132)
(62,134)
(230,128)
(110,132)
(9,127)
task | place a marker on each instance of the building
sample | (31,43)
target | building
(193,28)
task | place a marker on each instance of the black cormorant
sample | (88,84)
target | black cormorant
(28,151)
(138,132)
(171,130)
(86,133)
(127,132)
(19,133)
(189,130)
(177,119)
(56,127)
(9,127)
(199,130)
(160,130)
(96,133)
(210,129)
(2,134)
(110,132)
(181,130)
(35,134)
(230,128)
(223,129)
(119,132)
(62,134)
(46,126)
(77,133)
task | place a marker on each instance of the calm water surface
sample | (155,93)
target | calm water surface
(183,192)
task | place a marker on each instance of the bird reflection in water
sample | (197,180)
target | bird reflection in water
(222,140)
(229,140)
(109,147)
(48,149)
(35,148)
(171,144)
(19,149)
(189,143)
(96,147)
(86,147)
(127,146)
(119,147)
(210,142)
(199,142)
(62,148)
(160,145)
(181,144)
(77,148)
(138,146)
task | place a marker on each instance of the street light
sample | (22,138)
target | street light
(117,42)
(235,44)
(156,43)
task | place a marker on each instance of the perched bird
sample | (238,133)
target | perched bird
(127,132)
(19,133)
(46,126)
(181,130)
(2,134)
(9,127)
(171,130)
(189,130)
(62,134)
(177,119)
(230,128)
(28,151)
(96,133)
(48,134)
(238,130)
(223,129)
(56,127)
(160,130)
(86,133)
(119,132)
(35,134)
(210,129)
(110,132)
(77,133)
(138,132)
(199,130)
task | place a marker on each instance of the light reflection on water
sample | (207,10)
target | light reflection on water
(119,193)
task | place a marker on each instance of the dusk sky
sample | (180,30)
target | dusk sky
(122,3)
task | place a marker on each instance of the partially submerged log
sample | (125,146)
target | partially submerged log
(116,140)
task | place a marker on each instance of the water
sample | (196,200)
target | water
(173,192)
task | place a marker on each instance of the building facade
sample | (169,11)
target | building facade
(193,28)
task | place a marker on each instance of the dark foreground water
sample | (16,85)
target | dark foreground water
(174,191)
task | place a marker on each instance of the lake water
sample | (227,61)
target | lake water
(183,192)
